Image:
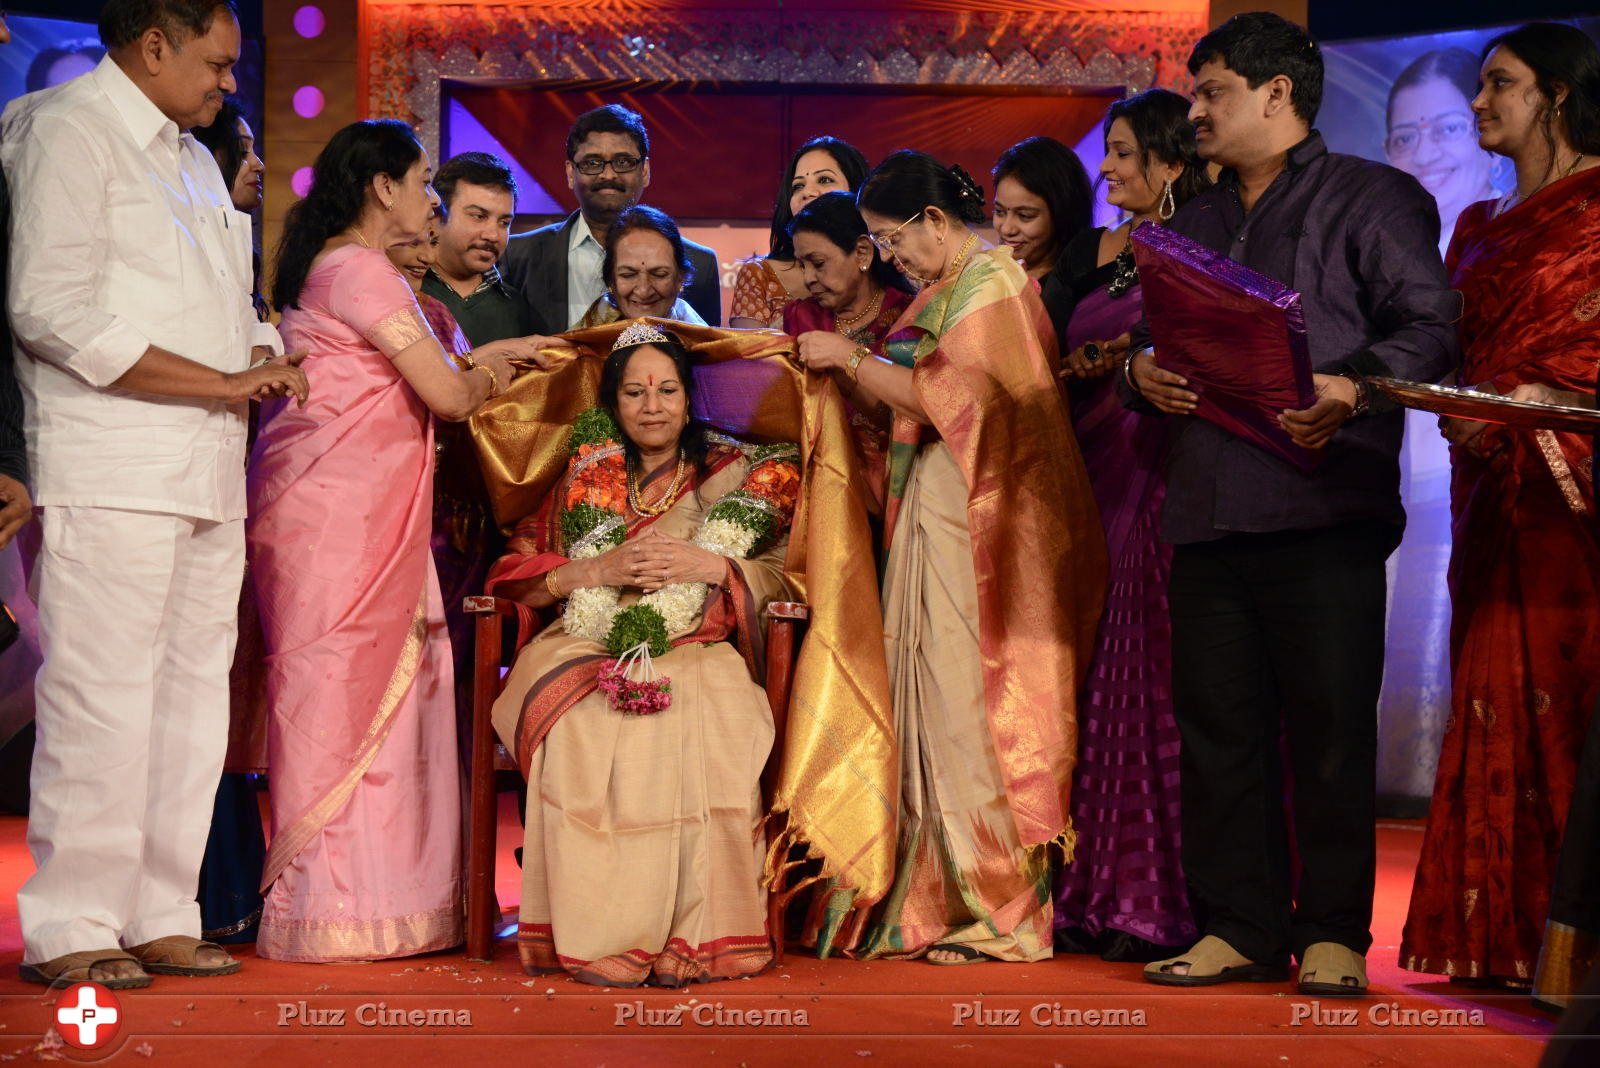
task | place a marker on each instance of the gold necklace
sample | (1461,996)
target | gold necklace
(846,327)
(955,264)
(679,477)
(360,236)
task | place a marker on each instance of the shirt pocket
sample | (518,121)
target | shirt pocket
(143,231)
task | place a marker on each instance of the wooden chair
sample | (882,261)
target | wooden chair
(785,619)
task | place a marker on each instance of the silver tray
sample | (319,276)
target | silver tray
(1487,407)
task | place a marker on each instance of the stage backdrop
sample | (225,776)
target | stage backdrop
(721,186)
(729,87)
(1407,101)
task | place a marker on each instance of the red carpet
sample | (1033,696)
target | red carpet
(806,1012)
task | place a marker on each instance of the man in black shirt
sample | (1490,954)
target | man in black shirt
(1278,585)
(479,197)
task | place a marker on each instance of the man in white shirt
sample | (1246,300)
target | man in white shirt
(557,267)
(130,303)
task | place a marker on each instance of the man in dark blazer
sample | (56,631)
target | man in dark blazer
(557,267)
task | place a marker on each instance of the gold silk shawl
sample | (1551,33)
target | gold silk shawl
(839,786)
(979,348)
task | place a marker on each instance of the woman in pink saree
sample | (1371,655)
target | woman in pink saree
(364,860)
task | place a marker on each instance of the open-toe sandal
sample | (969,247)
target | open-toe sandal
(967,954)
(1330,970)
(1211,961)
(72,968)
(180,955)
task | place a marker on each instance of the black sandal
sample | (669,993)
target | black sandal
(967,953)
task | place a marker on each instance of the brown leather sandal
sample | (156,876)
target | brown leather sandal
(72,968)
(178,955)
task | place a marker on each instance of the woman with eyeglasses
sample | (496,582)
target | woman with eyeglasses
(994,580)
(1525,563)
(1122,895)
(1433,136)
(765,286)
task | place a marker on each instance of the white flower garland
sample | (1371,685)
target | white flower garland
(592,610)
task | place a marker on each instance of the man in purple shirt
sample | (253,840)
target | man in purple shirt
(1278,585)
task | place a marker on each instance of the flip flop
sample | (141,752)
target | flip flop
(72,968)
(967,953)
(178,954)
(1210,953)
(1332,959)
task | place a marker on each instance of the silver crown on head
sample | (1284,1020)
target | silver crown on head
(640,334)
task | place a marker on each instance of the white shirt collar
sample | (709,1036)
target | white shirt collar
(580,234)
(144,120)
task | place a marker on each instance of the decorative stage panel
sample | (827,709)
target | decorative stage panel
(1017,45)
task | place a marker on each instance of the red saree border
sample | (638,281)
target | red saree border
(549,698)
(721,958)
(554,693)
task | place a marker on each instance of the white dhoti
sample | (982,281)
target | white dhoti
(138,612)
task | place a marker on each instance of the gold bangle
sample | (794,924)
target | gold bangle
(853,364)
(494,379)
(551,585)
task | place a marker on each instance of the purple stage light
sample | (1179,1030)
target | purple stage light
(308,101)
(309,21)
(301,182)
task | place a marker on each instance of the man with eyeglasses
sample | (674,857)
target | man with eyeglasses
(557,267)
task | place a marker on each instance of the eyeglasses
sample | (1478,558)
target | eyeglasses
(885,243)
(596,165)
(1403,141)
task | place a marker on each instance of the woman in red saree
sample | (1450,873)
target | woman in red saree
(856,295)
(643,853)
(1525,569)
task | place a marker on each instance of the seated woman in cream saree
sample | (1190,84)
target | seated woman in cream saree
(643,850)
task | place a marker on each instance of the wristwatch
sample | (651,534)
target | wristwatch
(1363,393)
(853,364)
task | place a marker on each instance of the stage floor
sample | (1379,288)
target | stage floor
(1069,1010)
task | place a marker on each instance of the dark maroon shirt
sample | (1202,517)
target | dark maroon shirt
(1360,242)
